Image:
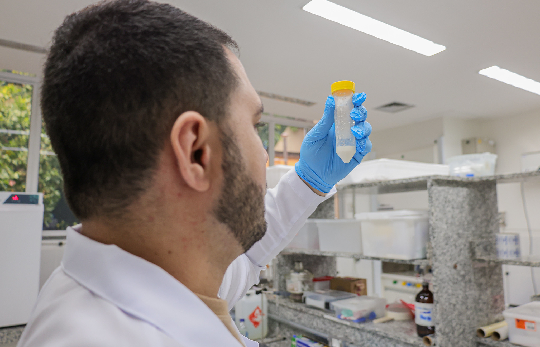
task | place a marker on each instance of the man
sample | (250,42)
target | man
(153,120)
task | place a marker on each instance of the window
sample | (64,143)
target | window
(15,115)
(287,142)
(282,138)
(27,166)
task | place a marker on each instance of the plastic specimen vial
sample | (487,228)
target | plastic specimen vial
(342,92)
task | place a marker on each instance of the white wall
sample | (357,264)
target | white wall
(455,130)
(515,135)
(407,138)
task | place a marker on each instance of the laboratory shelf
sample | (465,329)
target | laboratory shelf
(288,251)
(10,335)
(386,187)
(524,261)
(398,334)
(482,341)
(277,341)
(421,183)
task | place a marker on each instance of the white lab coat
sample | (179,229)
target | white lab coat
(102,296)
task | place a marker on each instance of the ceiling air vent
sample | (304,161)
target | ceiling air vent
(285,98)
(394,107)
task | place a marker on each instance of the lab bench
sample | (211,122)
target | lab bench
(304,318)
(467,275)
(483,342)
(10,336)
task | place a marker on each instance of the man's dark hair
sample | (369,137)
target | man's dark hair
(118,75)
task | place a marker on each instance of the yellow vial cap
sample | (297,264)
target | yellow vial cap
(342,85)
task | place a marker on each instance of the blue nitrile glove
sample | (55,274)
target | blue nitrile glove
(319,164)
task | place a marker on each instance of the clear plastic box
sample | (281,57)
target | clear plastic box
(323,298)
(340,235)
(524,324)
(473,165)
(390,169)
(395,234)
(360,308)
(307,237)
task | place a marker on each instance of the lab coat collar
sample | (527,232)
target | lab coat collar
(143,290)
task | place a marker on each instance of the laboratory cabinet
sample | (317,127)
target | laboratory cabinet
(467,275)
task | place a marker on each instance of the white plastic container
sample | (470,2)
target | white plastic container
(253,309)
(473,165)
(339,235)
(323,298)
(274,174)
(395,234)
(307,237)
(389,169)
(524,324)
(359,309)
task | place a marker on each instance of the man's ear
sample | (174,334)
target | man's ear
(190,142)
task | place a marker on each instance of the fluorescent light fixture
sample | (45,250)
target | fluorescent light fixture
(373,27)
(511,78)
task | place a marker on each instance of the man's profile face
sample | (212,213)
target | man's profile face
(241,204)
(245,113)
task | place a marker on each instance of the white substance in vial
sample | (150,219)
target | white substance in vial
(346,152)
(345,140)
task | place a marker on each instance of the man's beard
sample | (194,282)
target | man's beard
(241,203)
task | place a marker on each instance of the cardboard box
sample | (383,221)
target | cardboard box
(356,286)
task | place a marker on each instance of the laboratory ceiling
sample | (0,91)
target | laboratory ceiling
(290,52)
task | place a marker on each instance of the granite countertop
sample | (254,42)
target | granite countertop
(403,331)
(420,183)
(10,335)
(524,261)
(352,255)
(489,342)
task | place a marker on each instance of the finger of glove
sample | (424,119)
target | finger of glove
(359,114)
(358,99)
(363,147)
(361,130)
(367,147)
(321,129)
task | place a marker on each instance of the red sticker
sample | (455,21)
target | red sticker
(256,317)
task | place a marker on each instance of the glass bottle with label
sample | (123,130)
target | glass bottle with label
(298,281)
(423,308)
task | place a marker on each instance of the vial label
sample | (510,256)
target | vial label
(424,314)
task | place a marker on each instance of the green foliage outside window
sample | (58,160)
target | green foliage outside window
(15,111)
(15,114)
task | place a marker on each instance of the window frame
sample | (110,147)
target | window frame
(272,120)
(34,138)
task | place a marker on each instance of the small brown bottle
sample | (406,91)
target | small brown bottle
(424,312)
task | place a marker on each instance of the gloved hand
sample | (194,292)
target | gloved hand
(319,164)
